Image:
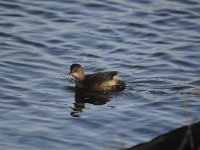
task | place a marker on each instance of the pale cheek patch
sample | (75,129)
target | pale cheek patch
(75,75)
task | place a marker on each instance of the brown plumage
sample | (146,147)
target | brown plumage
(101,81)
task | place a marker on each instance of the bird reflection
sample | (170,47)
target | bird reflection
(82,97)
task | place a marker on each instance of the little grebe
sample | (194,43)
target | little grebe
(101,81)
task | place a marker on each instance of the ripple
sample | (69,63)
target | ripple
(152,81)
(5,34)
(136,24)
(188,2)
(106,30)
(167,22)
(196,82)
(184,63)
(90,55)
(186,48)
(160,54)
(180,88)
(158,92)
(102,6)
(64,20)
(28,42)
(119,50)
(172,11)
(105,46)
(9,5)
(13,15)
(7,25)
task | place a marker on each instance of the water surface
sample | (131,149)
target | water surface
(155,47)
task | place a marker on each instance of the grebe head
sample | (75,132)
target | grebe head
(77,71)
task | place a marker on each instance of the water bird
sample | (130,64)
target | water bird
(100,81)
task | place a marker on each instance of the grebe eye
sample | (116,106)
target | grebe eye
(76,69)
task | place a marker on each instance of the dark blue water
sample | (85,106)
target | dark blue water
(154,45)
